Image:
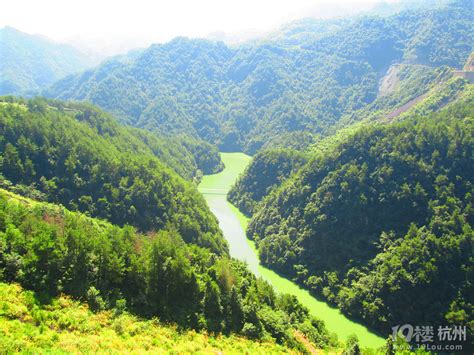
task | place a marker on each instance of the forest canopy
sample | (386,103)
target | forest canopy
(381,221)
(76,155)
(260,94)
(53,251)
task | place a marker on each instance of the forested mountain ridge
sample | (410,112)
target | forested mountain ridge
(360,189)
(269,168)
(190,158)
(381,223)
(76,155)
(32,63)
(254,96)
(52,251)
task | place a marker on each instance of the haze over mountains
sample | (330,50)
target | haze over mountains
(30,63)
(288,88)
(359,188)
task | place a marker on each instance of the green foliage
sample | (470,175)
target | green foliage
(94,300)
(379,222)
(284,90)
(52,251)
(352,346)
(67,326)
(267,170)
(80,157)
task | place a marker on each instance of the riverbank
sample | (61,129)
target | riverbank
(233,224)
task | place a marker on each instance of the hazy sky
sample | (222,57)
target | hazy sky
(143,21)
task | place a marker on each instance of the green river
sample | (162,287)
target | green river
(233,224)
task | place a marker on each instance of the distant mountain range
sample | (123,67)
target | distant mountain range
(360,188)
(291,87)
(31,62)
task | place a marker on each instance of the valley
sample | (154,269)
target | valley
(307,191)
(233,224)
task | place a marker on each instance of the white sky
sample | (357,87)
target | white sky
(144,21)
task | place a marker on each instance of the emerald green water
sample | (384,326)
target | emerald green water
(233,224)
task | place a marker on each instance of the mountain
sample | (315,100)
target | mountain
(90,209)
(360,187)
(279,90)
(379,220)
(31,62)
(269,168)
(78,156)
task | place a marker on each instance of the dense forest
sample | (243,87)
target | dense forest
(78,156)
(380,224)
(53,251)
(272,91)
(359,188)
(156,250)
(269,168)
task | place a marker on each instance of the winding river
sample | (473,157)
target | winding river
(233,224)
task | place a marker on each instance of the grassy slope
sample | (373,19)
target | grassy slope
(64,325)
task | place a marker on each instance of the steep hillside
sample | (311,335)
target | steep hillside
(34,62)
(268,169)
(53,251)
(65,325)
(78,156)
(254,95)
(450,93)
(381,220)
(416,86)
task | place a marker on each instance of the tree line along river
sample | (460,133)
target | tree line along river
(233,224)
